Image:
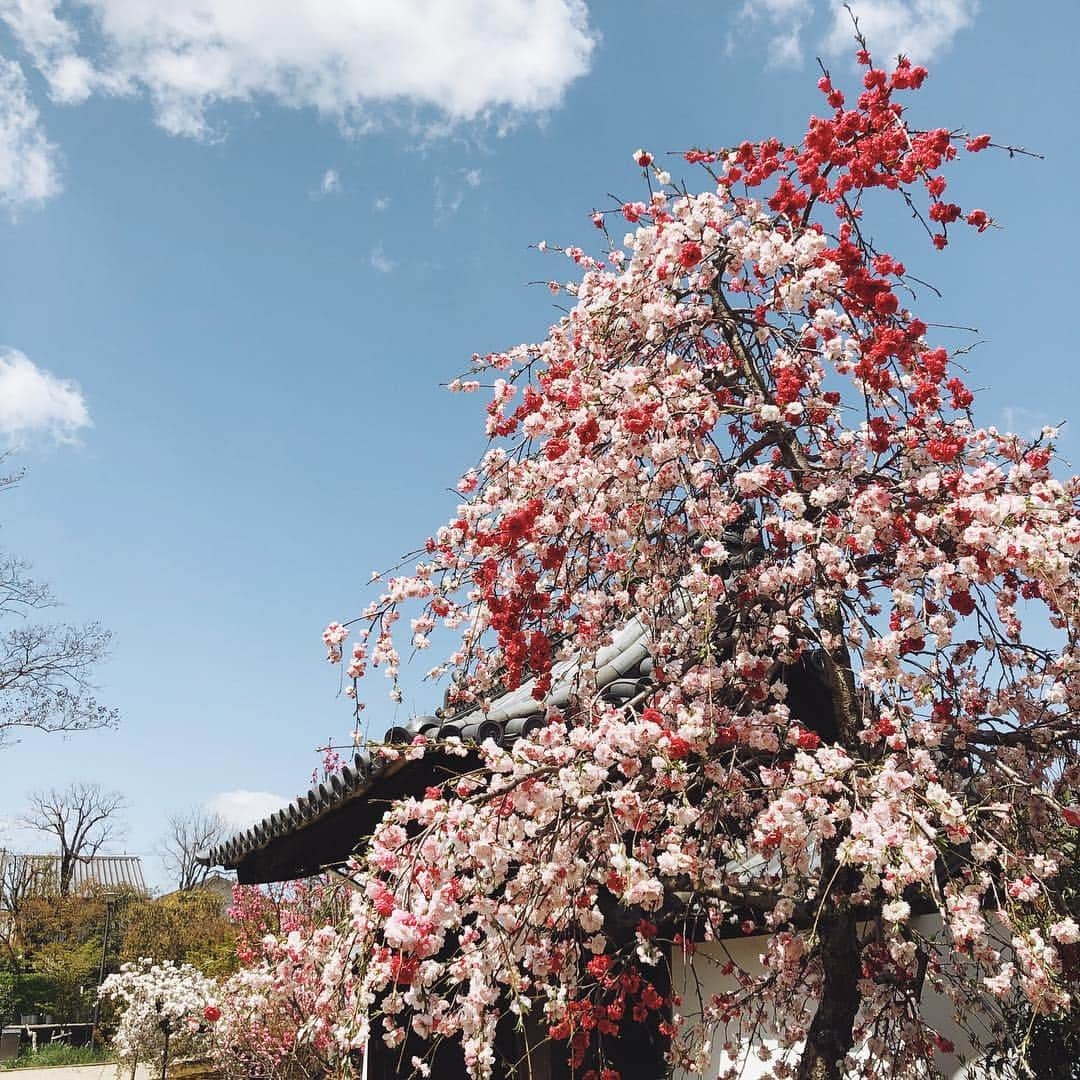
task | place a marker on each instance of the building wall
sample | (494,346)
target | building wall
(745,952)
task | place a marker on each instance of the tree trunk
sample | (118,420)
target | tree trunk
(67,871)
(830,1036)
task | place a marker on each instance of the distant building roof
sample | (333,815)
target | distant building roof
(41,873)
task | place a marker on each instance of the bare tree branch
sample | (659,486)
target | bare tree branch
(81,817)
(188,834)
(45,668)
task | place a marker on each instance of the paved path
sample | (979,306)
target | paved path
(80,1072)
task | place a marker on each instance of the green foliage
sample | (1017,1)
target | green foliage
(57,1054)
(8,992)
(185,927)
(67,973)
(25,991)
(54,965)
(57,955)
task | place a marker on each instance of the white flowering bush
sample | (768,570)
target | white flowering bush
(165,1009)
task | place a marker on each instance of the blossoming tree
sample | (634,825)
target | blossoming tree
(277,1021)
(166,1011)
(743,436)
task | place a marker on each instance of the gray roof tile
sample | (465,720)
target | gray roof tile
(510,716)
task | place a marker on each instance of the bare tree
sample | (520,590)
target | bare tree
(11,895)
(81,818)
(22,878)
(16,881)
(189,833)
(45,667)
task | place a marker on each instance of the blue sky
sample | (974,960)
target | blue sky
(241,251)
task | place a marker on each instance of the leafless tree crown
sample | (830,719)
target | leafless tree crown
(189,833)
(80,817)
(45,668)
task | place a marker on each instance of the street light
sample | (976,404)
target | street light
(109,898)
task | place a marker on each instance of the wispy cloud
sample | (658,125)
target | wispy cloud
(381,204)
(29,163)
(380,262)
(240,809)
(793,28)
(458,60)
(35,403)
(917,28)
(448,200)
(330,184)
(783,21)
(1024,421)
(450,192)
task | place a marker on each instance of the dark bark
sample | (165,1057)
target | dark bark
(831,1032)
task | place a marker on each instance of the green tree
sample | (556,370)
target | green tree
(58,942)
(185,927)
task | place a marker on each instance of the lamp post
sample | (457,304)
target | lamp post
(101,967)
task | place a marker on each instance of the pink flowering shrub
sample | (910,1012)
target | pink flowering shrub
(743,437)
(279,909)
(281,1016)
(277,1019)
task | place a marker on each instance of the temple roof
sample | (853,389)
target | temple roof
(321,828)
(40,874)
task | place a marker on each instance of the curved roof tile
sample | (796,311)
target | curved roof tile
(626,657)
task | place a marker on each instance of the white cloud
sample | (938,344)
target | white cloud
(380,262)
(356,60)
(918,28)
(29,172)
(381,204)
(52,45)
(784,20)
(450,192)
(330,183)
(34,402)
(241,809)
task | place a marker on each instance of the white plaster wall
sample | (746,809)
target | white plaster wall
(745,952)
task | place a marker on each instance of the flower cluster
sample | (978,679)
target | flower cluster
(281,1012)
(862,612)
(165,1008)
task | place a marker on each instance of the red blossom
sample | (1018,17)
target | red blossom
(689,255)
(962,602)
(743,446)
